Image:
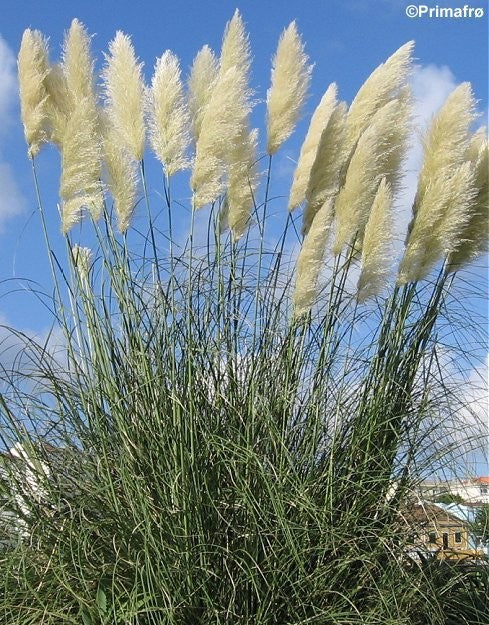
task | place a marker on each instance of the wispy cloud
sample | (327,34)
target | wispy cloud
(8,84)
(475,392)
(459,423)
(11,199)
(25,353)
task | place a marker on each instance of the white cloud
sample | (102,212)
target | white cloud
(8,83)
(26,355)
(468,424)
(431,85)
(11,200)
(459,426)
(475,397)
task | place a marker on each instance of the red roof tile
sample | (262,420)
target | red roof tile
(482,480)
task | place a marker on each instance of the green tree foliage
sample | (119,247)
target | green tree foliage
(449,498)
(480,526)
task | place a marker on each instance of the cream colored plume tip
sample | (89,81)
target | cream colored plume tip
(310,260)
(445,186)
(122,173)
(169,118)
(235,50)
(225,118)
(379,153)
(200,85)
(309,148)
(33,67)
(291,75)
(383,84)
(82,258)
(77,63)
(324,178)
(448,137)
(377,245)
(124,91)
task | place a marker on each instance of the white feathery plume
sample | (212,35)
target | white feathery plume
(309,148)
(442,216)
(122,174)
(70,81)
(443,180)
(124,90)
(477,146)
(378,154)
(80,186)
(201,83)
(377,245)
(169,118)
(383,84)
(447,140)
(291,76)
(242,183)
(207,70)
(457,214)
(33,67)
(310,260)
(394,159)
(77,64)
(224,119)
(324,178)
(474,238)
(235,50)
(240,155)
(75,127)
(82,259)
(59,104)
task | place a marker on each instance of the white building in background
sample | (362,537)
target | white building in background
(473,490)
(19,480)
(9,523)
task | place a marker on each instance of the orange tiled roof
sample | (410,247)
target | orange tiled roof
(482,480)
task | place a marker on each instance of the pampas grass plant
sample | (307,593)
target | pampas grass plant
(227,435)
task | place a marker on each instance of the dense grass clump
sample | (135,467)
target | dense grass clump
(202,447)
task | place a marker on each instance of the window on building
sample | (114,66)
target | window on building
(458,537)
(432,537)
(445,540)
(483,490)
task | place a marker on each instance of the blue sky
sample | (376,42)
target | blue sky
(346,39)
